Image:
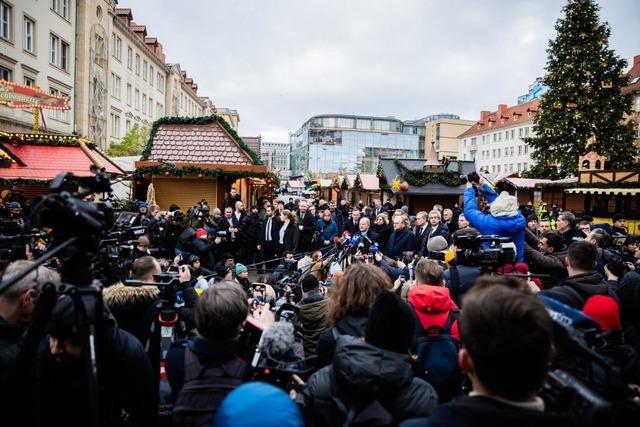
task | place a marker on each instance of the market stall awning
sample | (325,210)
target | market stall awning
(298,185)
(324,183)
(368,182)
(42,157)
(588,190)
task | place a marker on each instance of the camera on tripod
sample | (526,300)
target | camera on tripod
(485,251)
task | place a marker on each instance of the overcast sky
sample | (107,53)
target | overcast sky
(279,62)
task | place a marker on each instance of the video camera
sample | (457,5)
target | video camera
(489,252)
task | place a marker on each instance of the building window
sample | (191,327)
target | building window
(61,7)
(53,49)
(137,64)
(129,58)
(519,167)
(127,126)
(58,114)
(65,9)
(151,107)
(29,31)
(525,166)
(526,149)
(160,82)
(115,126)
(137,100)
(144,103)
(144,70)
(151,75)
(526,131)
(5,21)
(520,132)
(129,90)
(115,83)
(159,110)
(64,56)
(519,150)
(28,81)
(117,47)
(513,133)
(5,73)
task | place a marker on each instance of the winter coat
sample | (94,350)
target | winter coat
(11,337)
(576,290)
(480,411)
(327,230)
(550,263)
(432,305)
(399,242)
(314,319)
(204,250)
(629,294)
(349,325)
(429,233)
(467,276)
(384,233)
(134,307)
(508,226)
(572,235)
(361,373)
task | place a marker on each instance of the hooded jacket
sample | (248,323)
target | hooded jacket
(361,373)
(508,226)
(432,305)
(576,290)
(315,320)
(349,325)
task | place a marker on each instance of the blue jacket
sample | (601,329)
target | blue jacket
(405,241)
(512,226)
(327,232)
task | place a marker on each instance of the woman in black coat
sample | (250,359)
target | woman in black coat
(288,235)
(383,229)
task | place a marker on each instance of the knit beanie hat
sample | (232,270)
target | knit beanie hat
(240,268)
(437,244)
(390,325)
(605,311)
(618,217)
(505,205)
(201,232)
(238,408)
(309,282)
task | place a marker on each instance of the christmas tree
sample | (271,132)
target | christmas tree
(584,79)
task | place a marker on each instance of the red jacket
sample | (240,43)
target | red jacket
(432,305)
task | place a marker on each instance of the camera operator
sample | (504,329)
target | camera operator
(16,213)
(204,369)
(546,256)
(141,249)
(134,306)
(60,375)
(505,377)
(583,281)
(17,307)
(505,218)
(568,229)
(203,248)
(460,277)
(142,218)
(313,313)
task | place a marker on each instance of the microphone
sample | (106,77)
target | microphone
(274,343)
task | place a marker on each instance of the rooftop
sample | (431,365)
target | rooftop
(503,117)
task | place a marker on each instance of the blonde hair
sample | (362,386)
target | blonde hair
(384,216)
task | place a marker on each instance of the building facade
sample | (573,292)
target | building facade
(231,116)
(182,94)
(37,49)
(633,88)
(347,143)
(276,155)
(495,141)
(444,132)
(253,142)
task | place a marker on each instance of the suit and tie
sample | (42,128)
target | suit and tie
(308,223)
(268,239)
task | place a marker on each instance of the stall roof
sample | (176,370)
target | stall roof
(528,183)
(369,182)
(587,190)
(43,156)
(324,183)
(295,184)
(390,170)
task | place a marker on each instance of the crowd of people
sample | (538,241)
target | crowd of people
(400,318)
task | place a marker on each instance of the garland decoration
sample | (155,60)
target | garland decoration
(205,120)
(169,169)
(20,181)
(46,139)
(420,178)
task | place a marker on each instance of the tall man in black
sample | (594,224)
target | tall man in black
(268,238)
(307,226)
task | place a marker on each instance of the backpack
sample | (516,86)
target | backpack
(435,351)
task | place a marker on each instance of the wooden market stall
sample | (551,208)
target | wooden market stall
(190,159)
(366,188)
(535,190)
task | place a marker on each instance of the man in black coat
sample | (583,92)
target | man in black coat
(583,281)
(377,208)
(567,228)
(306,226)
(351,225)
(268,238)
(435,228)
(234,197)
(546,256)
(419,229)
(504,378)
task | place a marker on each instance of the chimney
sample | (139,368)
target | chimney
(502,110)
(636,60)
(484,116)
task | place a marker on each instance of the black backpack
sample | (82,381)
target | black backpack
(435,351)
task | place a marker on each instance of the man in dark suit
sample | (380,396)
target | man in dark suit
(229,223)
(435,228)
(377,208)
(420,230)
(449,219)
(268,238)
(368,236)
(307,226)
(351,225)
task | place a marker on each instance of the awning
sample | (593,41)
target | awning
(603,190)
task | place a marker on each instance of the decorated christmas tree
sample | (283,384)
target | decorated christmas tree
(584,79)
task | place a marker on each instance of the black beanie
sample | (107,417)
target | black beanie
(309,282)
(391,325)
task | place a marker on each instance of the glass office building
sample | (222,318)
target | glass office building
(333,143)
